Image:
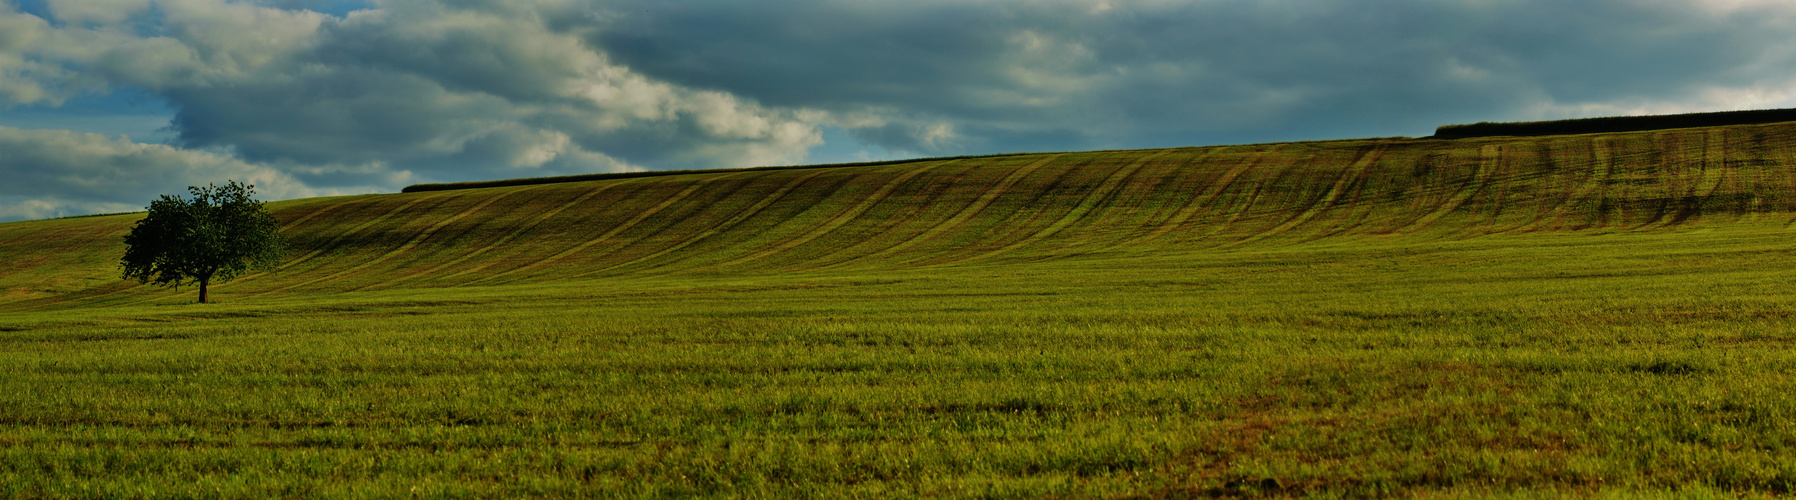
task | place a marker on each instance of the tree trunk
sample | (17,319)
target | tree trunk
(203,291)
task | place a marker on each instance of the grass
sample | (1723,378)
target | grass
(1600,315)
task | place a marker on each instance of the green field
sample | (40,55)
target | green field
(1545,316)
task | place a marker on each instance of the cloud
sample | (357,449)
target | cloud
(82,12)
(440,90)
(55,173)
(342,94)
(1161,73)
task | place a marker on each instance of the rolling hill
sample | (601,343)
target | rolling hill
(1544,316)
(972,212)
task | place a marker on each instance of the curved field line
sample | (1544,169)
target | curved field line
(1103,213)
(1488,158)
(1677,181)
(1357,188)
(413,242)
(1714,172)
(1253,197)
(702,204)
(965,214)
(1710,174)
(513,234)
(1354,210)
(1547,211)
(808,203)
(1600,171)
(615,230)
(731,222)
(1755,176)
(427,233)
(332,243)
(1085,207)
(1196,203)
(1714,163)
(1352,173)
(839,220)
(315,213)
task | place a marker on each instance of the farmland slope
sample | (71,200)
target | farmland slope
(1560,316)
(966,212)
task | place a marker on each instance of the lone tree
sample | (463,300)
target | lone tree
(218,234)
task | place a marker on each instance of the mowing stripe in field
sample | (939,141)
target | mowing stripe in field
(1777,166)
(521,229)
(1755,177)
(1677,178)
(767,227)
(615,230)
(337,238)
(1685,191)
(1713,172)
(1489,157)
(1017,218)
(1530,194)
(313,214)
(1200,202)
(1557,157)
(696,210)
(1714,169)
(725,225)
(406,247)
(1750,177)
(1604,151)
(1078,213)
(1352,211)
(909,212)
(1251,197)
(840,219)
(1347,177)
(1130,208)
(1103,211)
(965,214)
(427,233)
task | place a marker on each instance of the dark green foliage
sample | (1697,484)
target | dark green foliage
(217,235)
(1614,124)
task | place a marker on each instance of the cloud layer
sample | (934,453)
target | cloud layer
(54,173)
(337,96)
(1070,74)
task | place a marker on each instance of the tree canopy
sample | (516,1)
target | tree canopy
(219,233)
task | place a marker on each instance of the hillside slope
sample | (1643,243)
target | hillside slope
(969,212)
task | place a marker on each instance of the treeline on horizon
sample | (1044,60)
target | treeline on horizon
(1614,124)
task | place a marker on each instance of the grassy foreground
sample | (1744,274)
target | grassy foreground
(1573,315)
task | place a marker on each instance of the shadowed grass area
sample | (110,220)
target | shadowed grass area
(1568,315)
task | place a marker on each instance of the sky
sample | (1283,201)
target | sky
(106,104)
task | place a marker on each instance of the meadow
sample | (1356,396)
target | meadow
(1588,315)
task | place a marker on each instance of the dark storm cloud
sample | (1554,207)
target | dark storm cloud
(1146,73)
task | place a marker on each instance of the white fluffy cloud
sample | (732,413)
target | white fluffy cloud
(55,173)
(449,91)
(421,90)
